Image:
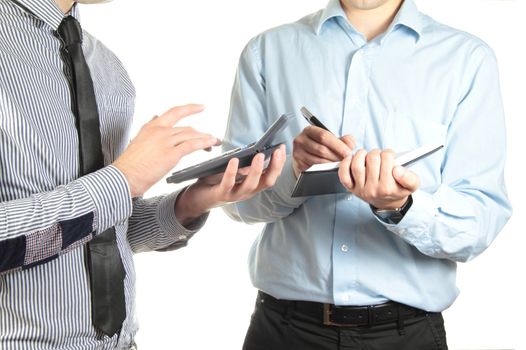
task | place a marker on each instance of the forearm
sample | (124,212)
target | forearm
(453,225)
(37,228)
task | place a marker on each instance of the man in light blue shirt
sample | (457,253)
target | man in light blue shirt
(373,267)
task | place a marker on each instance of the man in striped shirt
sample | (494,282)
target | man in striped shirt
(48,211)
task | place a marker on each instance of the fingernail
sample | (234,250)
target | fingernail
(399,171)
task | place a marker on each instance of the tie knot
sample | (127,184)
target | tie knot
(70,31)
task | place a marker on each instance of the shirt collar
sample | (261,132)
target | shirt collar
(333,9)
(46,10)
(408,16)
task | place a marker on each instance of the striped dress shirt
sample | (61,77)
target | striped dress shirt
(48,212)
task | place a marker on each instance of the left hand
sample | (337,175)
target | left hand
(376,179)
(207,193)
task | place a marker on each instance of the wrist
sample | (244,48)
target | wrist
(295,169)
(393,215)
(390,205)
(124,169)
(187,208)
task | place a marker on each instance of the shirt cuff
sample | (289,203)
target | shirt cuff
(111,197)
(414,226)
(171,227)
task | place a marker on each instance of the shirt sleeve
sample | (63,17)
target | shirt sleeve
(248,99)
(463,216)
(154,226)
(37,229)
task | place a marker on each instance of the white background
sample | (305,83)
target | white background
(200,297)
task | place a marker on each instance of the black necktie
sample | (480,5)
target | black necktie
(104,261)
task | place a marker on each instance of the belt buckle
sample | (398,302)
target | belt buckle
(327,321)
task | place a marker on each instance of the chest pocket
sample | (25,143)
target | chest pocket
(404,133)
(116,113)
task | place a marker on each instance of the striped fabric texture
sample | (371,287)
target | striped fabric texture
(48,212)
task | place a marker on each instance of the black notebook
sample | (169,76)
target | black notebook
(245,154)
(323,178)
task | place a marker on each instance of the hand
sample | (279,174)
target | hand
(159,146)
(316,145)
(374,178)
(206,193)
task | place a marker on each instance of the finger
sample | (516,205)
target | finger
(406,178)
(386,170)
(179,130)
(358,169)
(274,169)
(321,152)
(308,158)
(173,115)
(327,139)
(191,145)
(277,158)
(349,141)
(373,163)
(251,182)
(218,143)
(303,144)
(344,173)
(229,177)
(310,151)
(179,138)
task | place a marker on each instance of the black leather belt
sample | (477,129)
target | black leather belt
(344,316)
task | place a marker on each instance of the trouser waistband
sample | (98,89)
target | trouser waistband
(344,316)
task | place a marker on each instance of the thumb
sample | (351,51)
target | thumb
(406,178)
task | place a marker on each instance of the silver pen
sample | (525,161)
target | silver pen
(312,119)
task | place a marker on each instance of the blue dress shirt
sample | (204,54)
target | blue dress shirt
(420,82)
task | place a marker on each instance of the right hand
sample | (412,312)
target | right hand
(315,145)
(159,146)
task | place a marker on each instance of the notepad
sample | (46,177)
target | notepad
(323,178)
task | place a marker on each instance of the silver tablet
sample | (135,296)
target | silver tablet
(244,154)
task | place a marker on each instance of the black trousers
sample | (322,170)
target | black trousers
(273,330)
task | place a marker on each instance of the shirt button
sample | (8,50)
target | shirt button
(349,197)
(345,248)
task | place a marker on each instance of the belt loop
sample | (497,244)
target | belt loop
(371,316)
(400,321)
(287,315)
